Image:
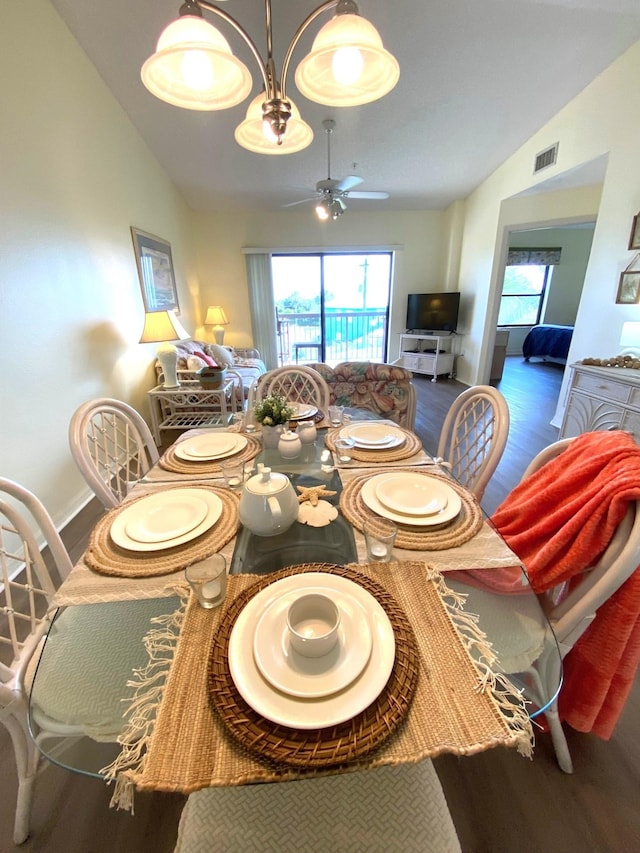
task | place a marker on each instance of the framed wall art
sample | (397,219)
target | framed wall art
(155,269)
(629,289)
(634,238)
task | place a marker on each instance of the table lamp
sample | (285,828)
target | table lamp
(164,326)
(216,318)
(630,339)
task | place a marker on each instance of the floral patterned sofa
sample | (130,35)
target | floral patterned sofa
(243,364)
(384,389)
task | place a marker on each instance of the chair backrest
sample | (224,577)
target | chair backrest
(297,384)
(474,435)
(27,585)
(570,612)
(112,446)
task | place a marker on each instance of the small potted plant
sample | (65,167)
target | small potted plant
(273,414)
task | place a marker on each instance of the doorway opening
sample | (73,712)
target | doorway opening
(332,307)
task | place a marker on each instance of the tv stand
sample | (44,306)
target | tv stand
(430,353)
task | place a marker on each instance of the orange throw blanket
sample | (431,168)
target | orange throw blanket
(559,521)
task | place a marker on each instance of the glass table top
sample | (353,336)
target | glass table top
(100,644)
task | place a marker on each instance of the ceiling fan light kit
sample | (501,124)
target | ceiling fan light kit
(194,68)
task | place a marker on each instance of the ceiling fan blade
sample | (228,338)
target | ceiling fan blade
(365,194)
(350,181)
(302,201)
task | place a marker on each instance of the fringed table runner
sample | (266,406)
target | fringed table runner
(459,706)
(405,451)
(170,461)
(106,558)
(451,535)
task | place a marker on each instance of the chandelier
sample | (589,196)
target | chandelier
(193,67)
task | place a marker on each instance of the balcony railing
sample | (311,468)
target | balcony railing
(348,336)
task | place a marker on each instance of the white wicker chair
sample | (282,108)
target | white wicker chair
(474,435)
(297,384)
(387,810)
(112,446)
(27,592)
(569,616)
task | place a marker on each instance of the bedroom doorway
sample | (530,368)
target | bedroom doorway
(543,274)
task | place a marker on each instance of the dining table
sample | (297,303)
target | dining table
(139,685)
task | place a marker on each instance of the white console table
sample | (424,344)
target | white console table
(431,354)
(189,406)
(602,398)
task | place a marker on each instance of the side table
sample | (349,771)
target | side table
(189,405)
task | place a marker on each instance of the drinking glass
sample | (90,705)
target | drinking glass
(379,536)
(343,448)
(208,579)
(335,415)
(233,473)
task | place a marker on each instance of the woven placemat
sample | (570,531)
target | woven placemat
(464,527)
(170,461)
(411,445)
(106,558)
(325,747)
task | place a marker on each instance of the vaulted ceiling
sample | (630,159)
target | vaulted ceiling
(477,79)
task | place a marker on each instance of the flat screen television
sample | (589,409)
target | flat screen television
(433,312)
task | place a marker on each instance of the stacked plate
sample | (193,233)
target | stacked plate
(301,411)
(411,498)
(311,693)
(166,519)
(202,448)
(373,436)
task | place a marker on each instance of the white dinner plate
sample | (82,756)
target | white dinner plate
(310,713)
(412,494)
(169,499)
(162,520)
(201,448)
(373,436)
(302,410)
(310,678)
(448,513)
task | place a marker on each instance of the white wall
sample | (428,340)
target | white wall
(421,260)
(599,122)
(75,177)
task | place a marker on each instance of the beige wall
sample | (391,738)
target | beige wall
(75,177)
(421,257)
(597,123)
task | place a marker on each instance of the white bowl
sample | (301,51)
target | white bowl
(313,622)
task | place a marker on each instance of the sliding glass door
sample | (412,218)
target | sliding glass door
(332,307)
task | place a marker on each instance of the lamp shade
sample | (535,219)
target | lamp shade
(216,316)
(347,65)
(251,133)
(162,326)
(193,67)
(630,336)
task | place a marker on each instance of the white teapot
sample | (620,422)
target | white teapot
(269,504)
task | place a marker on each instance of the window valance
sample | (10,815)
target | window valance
(540,257)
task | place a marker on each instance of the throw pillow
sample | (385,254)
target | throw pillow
(221,355)
(194,363)
(206,358)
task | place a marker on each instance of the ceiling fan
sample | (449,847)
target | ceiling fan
(331,194)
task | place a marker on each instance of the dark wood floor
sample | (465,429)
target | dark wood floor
(500,802)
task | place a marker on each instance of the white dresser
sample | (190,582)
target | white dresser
(602,398)
(432,354)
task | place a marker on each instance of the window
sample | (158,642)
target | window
(523,292)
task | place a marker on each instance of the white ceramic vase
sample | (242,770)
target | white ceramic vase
(271,436)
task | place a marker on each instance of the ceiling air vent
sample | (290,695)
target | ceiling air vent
(546,158)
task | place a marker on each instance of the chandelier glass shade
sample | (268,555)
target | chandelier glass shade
(255,134)
(348,65)
(194,68)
